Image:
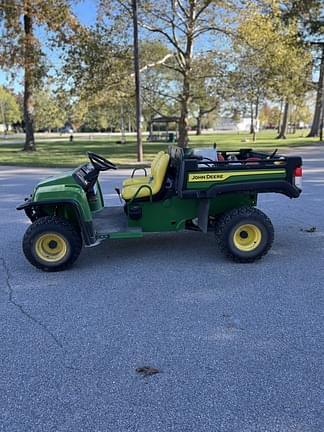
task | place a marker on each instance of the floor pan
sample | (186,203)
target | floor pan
(110,219)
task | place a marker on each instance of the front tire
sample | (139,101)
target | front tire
(245,234)
(52,244)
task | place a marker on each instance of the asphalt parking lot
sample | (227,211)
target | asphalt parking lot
(239,347)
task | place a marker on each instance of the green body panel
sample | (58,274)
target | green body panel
(63,179)
(239,177)
(60,189)
(96,203)
(166,215)
(100,201)
(64,187)
(227,202)
(126,235)
(171,214)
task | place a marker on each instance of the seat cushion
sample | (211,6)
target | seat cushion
(155,184)
(136,180)
(129,191)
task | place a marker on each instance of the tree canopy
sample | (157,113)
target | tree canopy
(197,58)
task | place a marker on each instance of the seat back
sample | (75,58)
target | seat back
(155,161)
(160,172)
(155,184)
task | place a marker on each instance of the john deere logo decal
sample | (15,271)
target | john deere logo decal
(222,176)
(206,177)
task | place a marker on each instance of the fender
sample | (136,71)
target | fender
(32,208)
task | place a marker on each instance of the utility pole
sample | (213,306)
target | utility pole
(137,84)
(322,119)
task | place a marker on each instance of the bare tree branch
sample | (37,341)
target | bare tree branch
(178,14)
(162,93)
(209,110)
(174,68)
(152,107)
(207,29)
(164,33)
(127,7)
(203,8)
(151,65)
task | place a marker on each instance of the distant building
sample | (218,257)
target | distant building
(242,125)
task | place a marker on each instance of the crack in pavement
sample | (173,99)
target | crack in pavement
(21,308)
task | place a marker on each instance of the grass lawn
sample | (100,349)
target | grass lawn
(62,153)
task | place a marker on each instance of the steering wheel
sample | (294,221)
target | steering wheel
(100,163)
(273,154)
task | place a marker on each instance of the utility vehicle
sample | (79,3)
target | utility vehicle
(183,191)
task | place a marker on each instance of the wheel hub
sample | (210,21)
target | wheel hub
(51,247)
(52,244)
(244,234)
(247,237)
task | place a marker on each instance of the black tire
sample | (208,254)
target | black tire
(244,234)
(52,244)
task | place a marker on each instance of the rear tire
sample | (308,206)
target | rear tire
(52,244)
(244,234)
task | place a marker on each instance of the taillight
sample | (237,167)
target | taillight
(298,173)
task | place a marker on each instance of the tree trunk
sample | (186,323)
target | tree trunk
(255,129)
(252,120)
(28,80)
(183,121)
(294,120)
(122,125)
(129,124)
(284,124)
(322,120)
(280,117)
(186,96)
(322,125)
(198,125)
(3,113)
(315,129)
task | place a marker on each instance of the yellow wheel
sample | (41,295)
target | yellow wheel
(51,247)
(244,234)
(52,243)
(247,237)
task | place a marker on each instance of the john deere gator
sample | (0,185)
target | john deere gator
(182,191)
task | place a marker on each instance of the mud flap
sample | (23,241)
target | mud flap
(203,212)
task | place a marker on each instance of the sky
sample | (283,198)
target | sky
(85,11)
